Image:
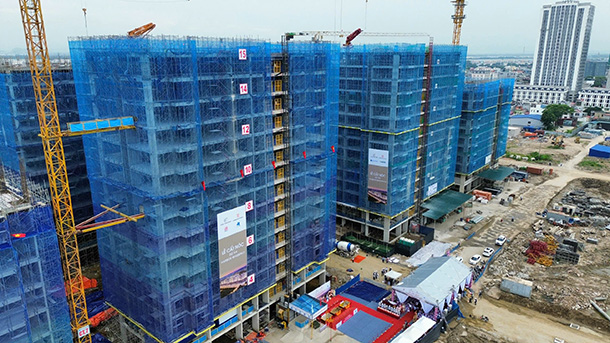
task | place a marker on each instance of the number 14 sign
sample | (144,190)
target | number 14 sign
(243,88)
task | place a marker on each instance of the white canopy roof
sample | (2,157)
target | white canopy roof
(435,280)
(415,331)
(392,274)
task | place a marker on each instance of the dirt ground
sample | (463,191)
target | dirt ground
(337,267)
(524,146)
(561,292)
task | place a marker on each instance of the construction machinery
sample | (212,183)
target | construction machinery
(318,36)
(458,19)
(142,30)
(51,134)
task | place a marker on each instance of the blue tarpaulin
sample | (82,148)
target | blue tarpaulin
(600,151)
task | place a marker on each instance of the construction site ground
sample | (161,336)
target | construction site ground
(523,146)
(561,293)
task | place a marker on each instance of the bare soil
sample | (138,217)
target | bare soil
(524,146)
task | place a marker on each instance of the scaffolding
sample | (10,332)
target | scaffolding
(33,306)
(381,96)
(445,98)
(191,158)
(314,80)
(504,103)
(483,124)
(477,126)
(19,140)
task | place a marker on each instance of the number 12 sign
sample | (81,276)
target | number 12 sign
(243,88)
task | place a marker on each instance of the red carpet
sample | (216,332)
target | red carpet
(359,259)
(397,323)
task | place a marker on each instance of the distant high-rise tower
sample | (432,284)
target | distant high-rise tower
(563,45)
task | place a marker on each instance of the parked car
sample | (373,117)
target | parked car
(475,259)
(501,240)
(488,251)
(459,258)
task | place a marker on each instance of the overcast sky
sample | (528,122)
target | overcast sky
(490,27)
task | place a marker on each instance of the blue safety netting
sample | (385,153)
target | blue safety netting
(380,106)
(33,306)
(163,271)
(19,129)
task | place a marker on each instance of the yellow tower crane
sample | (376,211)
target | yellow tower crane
(51,134)
(458,19)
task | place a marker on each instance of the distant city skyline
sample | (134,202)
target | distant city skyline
(490,27)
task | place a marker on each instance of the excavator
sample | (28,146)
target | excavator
(557,141)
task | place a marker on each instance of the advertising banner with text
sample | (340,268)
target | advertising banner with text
(232,252)
(378,176)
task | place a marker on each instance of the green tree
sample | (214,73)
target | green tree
(600,81)
(589,110)
(552,113)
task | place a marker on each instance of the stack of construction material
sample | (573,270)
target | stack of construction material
(536,250)
(567,252)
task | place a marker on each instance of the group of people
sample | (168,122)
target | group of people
(386,280)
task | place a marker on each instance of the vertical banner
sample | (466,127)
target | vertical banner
(432,189)
(378,176)
(232,251)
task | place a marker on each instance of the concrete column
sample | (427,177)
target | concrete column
(123,329)
(462,182)
(322,277)
(303,289)
(239,329)
(386,229)
(256,322)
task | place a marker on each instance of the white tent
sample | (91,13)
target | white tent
(435,282)
(392,274)
(415,331)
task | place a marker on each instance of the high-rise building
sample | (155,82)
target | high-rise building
(20,143)
(399,113)
(232,162)
(561,52)
(596,68)
(483,129)
(33,305)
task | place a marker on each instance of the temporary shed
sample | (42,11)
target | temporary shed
(436,282)
(415,331)
(443,203)
(600,151)
(392,274)
(308,306)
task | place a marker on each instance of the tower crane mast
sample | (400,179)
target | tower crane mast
(51,134)
(458,19)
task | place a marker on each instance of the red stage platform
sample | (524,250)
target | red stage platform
(397,323)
